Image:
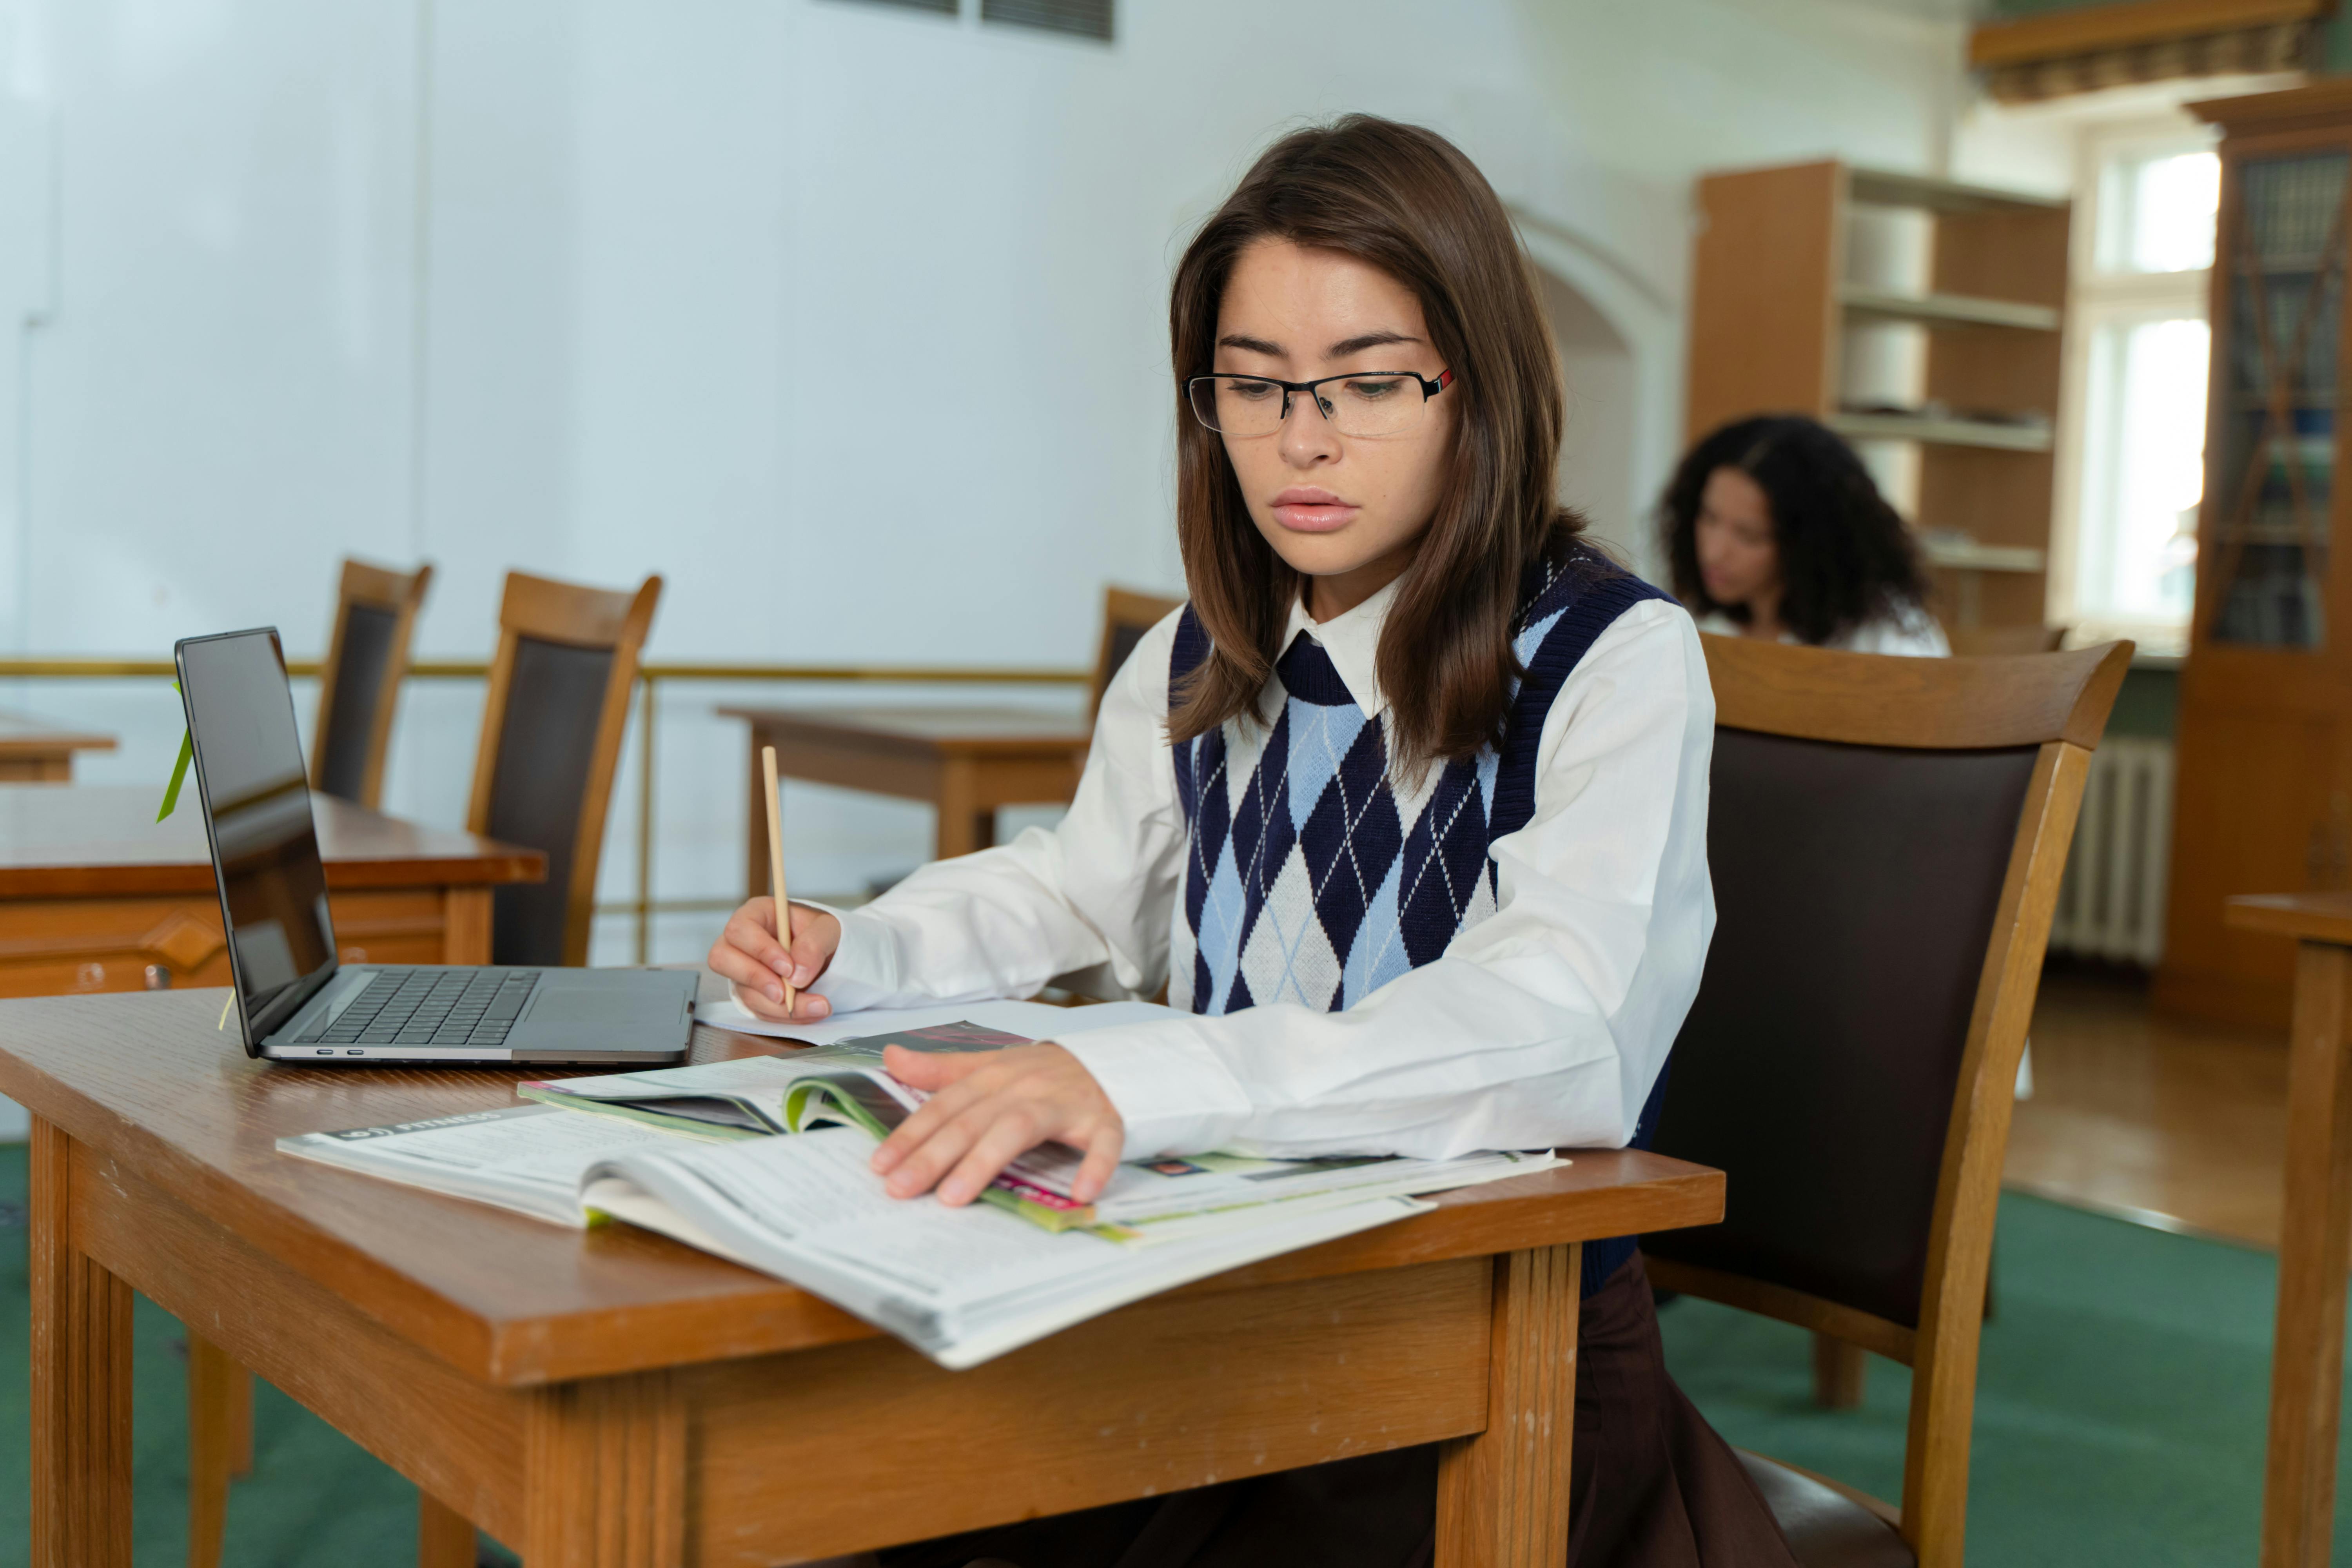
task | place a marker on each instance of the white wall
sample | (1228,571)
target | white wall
(848,321)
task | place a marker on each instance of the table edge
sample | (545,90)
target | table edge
(2270,913)
(783,1319)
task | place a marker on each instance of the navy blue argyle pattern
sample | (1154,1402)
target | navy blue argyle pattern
(1313,876)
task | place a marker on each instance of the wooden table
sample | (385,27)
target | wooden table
(610,1398)
(36,750)
(966,762)
(96,895)
(2316,1231)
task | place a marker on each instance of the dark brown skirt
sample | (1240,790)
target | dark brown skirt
(1651,1486)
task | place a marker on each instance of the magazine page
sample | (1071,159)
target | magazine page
(750,1091)
(961,1284)
(528,1158)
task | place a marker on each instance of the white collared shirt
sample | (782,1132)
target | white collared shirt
(1543,1025)
(1902,629)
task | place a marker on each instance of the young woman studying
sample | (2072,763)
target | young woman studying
(1775,529)
(1407,808)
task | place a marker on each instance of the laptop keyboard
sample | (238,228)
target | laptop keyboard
(431,1008)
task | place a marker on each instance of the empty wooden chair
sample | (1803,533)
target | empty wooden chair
(359,686)
(552,731)
(1885,837)
(1127,615)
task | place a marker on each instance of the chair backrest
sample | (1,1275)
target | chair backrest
(1885,837)
(552,731)
(1127,615)
(359,686)
(1972,642)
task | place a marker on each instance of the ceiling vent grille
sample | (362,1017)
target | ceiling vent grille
(1084,18)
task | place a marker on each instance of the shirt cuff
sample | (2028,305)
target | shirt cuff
(1172,1092)
(865,968)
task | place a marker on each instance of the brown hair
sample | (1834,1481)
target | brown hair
(1406,200)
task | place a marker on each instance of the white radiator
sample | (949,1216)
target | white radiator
(2111,904)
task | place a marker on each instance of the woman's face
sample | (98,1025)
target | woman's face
(1738,559)
(1346,511)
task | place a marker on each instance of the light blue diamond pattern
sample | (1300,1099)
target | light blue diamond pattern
(1221,912)
(1377,955)
(1319,738)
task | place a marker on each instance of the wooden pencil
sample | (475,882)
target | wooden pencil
(776,861)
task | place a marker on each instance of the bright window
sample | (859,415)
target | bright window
(2157,210)
(2144,469)
(2139,348)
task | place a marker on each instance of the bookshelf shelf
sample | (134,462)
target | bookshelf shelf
(1945,309)
(1878,188)
(1970,556)
(1941,432)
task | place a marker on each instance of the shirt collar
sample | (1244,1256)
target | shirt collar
(1353,641)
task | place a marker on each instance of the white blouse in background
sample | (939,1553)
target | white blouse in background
(1543,1025)
(1906,630)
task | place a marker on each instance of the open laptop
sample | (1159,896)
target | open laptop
(294,1001)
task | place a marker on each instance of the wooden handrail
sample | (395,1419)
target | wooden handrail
(448,669)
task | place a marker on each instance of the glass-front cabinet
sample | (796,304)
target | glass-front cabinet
(2263,792)
(2281,262)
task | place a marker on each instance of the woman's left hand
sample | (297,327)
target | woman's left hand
(988,1109)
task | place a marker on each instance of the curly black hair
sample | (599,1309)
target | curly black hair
(1845,555)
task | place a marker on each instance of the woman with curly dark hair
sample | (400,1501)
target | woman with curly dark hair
(1775,529)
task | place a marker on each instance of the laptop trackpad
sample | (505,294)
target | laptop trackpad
(622,1000)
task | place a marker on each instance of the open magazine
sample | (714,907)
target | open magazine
(959,1284)
(843,1084)
(765,1161)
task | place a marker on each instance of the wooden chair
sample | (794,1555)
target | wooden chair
(552,731)
(1127,615)
(359,686)
(1885,837)
(1978,642)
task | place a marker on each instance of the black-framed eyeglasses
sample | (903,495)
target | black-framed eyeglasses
(1361,403)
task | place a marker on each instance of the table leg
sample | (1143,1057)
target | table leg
(605,1475)
(964,825)
(466,915)
(240,1427)
(80,1382)
(217,1387)
(2315,1250)
(1502,1495)
(445,1538)
(1840,1373)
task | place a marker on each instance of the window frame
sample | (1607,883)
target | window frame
(2096,298)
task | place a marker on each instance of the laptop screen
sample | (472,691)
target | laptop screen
(256,804)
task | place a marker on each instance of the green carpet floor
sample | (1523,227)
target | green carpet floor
(2119,1412)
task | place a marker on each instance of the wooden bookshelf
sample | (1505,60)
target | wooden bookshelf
(1772,311)
(2263,782)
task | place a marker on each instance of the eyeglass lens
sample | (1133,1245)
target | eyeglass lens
(1368,405)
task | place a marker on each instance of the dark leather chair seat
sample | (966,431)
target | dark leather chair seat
(1826,1528)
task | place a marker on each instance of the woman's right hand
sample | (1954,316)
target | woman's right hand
(748,953)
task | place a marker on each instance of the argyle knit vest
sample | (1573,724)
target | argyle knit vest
(1312,875)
